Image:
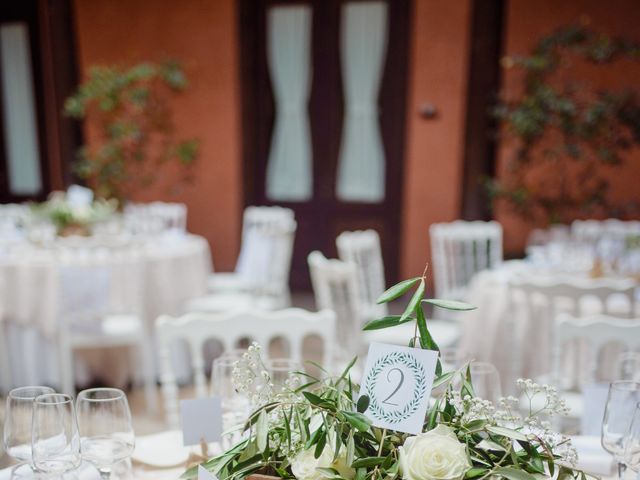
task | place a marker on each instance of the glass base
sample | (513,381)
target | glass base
(23,470)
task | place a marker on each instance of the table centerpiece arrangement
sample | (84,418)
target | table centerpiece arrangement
(73,218)
(316,428)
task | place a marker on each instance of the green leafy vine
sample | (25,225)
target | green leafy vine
(131,128)
(567,133)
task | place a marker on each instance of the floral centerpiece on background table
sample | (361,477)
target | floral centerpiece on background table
(315,428)
(71,218)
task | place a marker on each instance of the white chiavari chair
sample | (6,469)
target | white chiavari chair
(597,332)
(539,302)
(263,270)
(87,318)
(459,250)
(294,325)
(362,249)
(172,215)
(252,248)
(335,287)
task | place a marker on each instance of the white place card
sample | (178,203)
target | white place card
(594,397)
(201,420)
(398,381)
(204,474)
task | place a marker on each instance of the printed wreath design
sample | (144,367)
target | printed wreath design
(395,416)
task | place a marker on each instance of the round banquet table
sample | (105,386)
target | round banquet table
(174,268)
(488,332)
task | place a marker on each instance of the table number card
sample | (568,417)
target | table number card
(398,382)
(201,420)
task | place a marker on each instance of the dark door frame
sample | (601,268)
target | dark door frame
(326,123)
(486,39)
(54,70)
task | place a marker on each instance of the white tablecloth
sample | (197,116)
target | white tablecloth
(175,268)
(488,332)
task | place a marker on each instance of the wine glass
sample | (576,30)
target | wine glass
(18,423)
(281,372)
(55,439)
(235,406)
(106,431)
(627,366)
(632,442)
(621,401)
(486,381)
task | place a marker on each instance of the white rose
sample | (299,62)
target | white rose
(304,466)
(434,455)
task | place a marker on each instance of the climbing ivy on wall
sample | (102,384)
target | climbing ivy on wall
(566,133)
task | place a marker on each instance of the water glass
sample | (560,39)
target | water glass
(106,429)
(632,442)
(235,406)
(281,371)
(621,402)
(627,366)
(18,425)
(55,439)
(486,381)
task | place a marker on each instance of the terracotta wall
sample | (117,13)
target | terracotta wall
(438,75)
(526,22)
(202,34)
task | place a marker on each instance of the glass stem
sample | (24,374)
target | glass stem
(621,469)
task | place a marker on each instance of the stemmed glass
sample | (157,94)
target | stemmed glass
(632,442)
(486,381)
(55,439)
(235,407)
(106,430)
(18,426)
(627,366)
(621,403)
(281,371)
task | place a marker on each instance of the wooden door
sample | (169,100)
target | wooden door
(37,73)
(326,212)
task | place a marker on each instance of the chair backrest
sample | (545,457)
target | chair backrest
(267,247)
(362,248)
(173,215)
(229,328)
(86,279)
(13,218)
(598,331)
(335,288)
(576,291)
(545,300)
(459,250)
(156,217)
(593,230)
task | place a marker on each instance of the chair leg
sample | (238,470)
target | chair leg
(148,367)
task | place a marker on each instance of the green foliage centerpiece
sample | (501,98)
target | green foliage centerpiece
(71,219)
(316,428)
